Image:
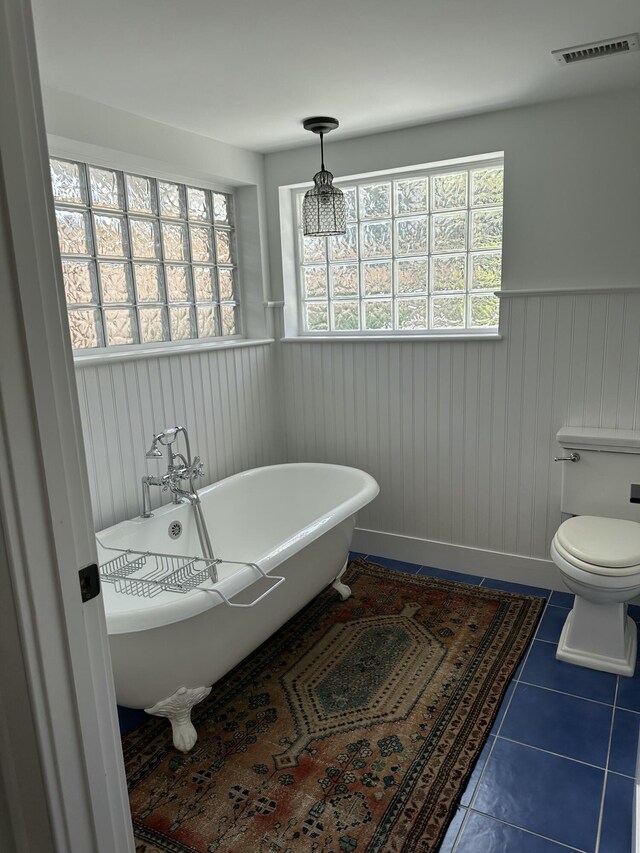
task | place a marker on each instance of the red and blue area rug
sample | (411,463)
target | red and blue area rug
(352,730)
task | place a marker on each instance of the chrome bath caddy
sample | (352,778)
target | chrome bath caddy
(147,574)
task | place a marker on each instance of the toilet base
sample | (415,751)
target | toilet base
(599,636)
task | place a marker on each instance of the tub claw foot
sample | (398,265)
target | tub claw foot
(177,709)
(342,589)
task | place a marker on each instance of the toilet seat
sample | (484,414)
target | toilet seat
(601,546)
(593,568)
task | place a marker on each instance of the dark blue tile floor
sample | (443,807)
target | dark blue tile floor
(556,773)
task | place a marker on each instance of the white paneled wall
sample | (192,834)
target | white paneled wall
(224,397)
(461,435)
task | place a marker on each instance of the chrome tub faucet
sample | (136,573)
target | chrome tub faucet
(180,469)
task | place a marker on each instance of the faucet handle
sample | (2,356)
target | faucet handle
(197,468)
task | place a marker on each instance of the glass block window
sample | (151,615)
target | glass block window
(422,252)
(144,260)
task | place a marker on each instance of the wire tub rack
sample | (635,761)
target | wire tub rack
(147,574)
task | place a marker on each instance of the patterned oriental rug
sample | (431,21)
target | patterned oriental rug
(353,729)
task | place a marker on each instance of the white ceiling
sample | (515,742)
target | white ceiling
(248,71)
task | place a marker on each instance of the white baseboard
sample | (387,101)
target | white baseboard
(459,558)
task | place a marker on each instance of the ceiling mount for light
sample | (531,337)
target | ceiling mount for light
(323,211)
(321,124)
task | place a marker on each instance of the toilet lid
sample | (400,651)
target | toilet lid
(610,542)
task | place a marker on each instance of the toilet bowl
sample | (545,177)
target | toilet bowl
(599,560)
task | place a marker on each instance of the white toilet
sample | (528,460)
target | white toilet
(597,550)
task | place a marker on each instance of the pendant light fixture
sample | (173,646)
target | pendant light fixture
(323,211)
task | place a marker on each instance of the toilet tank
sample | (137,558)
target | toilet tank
(606,480)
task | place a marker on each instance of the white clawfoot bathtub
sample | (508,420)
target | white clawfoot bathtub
(294,521)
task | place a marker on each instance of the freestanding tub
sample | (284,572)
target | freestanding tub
(294,521)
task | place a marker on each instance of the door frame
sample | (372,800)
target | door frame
(61,765)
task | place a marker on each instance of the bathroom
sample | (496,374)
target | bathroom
(456,423)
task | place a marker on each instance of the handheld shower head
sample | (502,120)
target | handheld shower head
(154,451)
(167,438)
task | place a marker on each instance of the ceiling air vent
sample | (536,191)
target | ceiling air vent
(608,47)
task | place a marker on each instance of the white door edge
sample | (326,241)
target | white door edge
(58,663)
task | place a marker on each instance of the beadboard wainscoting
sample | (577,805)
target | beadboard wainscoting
(224,398)
(461,434)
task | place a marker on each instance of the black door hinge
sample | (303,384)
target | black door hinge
(89,582)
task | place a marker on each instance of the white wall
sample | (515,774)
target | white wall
(572,184)
(224,396)
(461,434)
(83,129)
(71,117)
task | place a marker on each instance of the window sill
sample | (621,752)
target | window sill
(117,354)
(367,339)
